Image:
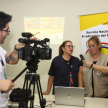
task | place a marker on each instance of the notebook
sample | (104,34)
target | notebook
(69,96)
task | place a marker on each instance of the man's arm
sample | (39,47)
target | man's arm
(80,77)
(12,58)
(6,85)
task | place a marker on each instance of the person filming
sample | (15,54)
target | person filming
(6,57)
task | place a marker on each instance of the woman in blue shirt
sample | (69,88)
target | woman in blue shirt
(64,68)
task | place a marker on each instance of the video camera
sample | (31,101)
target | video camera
(32,52)
(40,49)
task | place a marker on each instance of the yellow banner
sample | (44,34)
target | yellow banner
(94,24)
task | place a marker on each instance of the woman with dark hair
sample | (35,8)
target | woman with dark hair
(95,74)
(64,68)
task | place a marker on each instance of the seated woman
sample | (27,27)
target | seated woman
(64,68)
(95,78)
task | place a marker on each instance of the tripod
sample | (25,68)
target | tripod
(30,79)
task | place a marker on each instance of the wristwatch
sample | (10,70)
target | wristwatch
(15,48)
(91,66)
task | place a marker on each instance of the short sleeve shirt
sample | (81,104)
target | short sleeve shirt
(53,71)
(3,96)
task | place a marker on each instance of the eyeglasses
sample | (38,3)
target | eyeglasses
(8,31)
(69,46)
(90,46)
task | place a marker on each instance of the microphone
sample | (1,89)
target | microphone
(82,57)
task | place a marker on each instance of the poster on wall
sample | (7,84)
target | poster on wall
(46,27)
(94,24)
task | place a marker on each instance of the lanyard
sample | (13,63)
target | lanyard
(2,62)
(71,80)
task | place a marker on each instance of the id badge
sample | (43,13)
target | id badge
(98,73)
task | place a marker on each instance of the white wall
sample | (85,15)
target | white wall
(70,9)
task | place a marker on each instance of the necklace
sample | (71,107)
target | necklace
(67,62)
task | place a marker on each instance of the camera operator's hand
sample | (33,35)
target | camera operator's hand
(19,46)
(12,58)
(6,85)
(33,38)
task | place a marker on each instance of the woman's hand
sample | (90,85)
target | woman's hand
(45,93)
(87,63)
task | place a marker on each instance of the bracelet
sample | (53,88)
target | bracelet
(15,48)
(91,65)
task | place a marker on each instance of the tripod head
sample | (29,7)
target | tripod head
(32,65)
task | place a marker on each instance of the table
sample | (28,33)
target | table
(90,102)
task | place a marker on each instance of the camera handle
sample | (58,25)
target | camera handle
(18,76)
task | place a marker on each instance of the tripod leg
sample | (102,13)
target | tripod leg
(26,97)
(20,102)
(32,103)
(23,103)
(32,100)
(42,101)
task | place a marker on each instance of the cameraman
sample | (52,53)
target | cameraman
(6,57)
